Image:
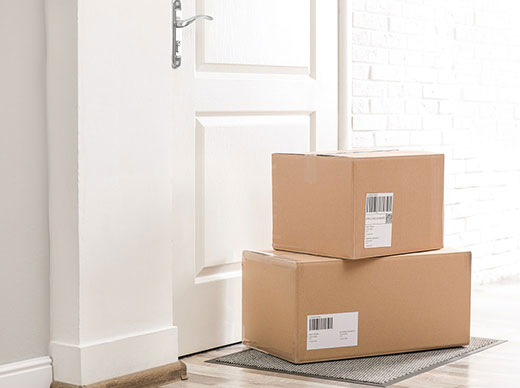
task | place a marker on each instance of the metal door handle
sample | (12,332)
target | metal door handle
(179,23)
(186,22)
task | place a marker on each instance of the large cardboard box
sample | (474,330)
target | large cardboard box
(306,308)
(355,205)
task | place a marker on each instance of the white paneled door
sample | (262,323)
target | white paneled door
(260,78)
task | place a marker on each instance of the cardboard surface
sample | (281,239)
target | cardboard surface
(320,202)
(400,303)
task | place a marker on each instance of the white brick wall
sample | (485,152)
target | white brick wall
(445,75)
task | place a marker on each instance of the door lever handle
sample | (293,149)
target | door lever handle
(180,23)
(186,22)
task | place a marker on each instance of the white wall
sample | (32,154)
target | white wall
(445,75)
(24,253)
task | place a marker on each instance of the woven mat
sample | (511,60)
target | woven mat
(379,371)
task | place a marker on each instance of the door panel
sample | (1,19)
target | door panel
(260,78)
(233,181)
(254,34)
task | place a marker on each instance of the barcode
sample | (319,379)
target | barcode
(320,323)
(379,204)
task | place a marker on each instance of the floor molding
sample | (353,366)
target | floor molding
(32,373)
(148,378)
(87,363)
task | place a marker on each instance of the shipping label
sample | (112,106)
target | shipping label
(378,220)
(326,331)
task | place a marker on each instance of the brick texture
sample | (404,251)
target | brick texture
(444,75)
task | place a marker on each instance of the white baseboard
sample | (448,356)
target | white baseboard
(93,362)
(33,373)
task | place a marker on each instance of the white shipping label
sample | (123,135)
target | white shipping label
(378,220)
(326,331)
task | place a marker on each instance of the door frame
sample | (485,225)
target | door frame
(344,74)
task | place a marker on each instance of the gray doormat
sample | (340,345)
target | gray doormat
(380,371)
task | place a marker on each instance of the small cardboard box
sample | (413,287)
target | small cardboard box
(354,205)
(306,308)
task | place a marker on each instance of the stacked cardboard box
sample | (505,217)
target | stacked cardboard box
(358,267)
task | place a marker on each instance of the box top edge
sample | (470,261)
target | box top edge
(302,258)
(368,154)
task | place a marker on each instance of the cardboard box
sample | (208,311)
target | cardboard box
(354,205)
(306,308)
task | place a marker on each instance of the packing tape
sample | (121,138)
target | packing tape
(438,182)
(309,169)
(357,151)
